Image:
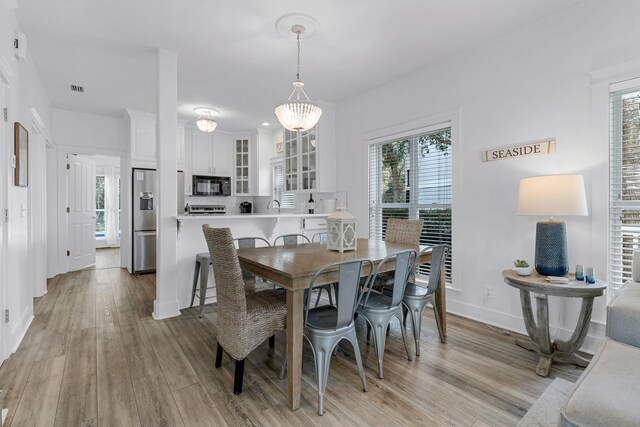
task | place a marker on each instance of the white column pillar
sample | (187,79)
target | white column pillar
(166,303)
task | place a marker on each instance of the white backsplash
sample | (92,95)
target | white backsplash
(260,203)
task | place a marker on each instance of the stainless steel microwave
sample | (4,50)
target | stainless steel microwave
(211,185)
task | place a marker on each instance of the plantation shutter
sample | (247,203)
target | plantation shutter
(410,178)
(624,181)
(287,200)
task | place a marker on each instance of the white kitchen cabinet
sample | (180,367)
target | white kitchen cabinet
(142,134)
(309,157)
(210,152)
(243,148)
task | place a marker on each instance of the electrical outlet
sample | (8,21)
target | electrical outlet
(487,291)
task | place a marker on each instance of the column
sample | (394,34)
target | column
(166,303)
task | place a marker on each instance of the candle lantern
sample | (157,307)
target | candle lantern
(341,231)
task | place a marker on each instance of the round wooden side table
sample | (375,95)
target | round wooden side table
(538,327)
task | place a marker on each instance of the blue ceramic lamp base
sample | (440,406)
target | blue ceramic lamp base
(552,258)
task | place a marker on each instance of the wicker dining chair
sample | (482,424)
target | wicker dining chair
(244,321)
(399,230)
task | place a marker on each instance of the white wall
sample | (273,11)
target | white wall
(26,92)
(89,133)
(526,86)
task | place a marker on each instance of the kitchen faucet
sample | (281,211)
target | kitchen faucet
(269,205)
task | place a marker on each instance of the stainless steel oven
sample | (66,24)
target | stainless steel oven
(211,185)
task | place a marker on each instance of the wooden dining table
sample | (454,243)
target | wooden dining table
(292,268)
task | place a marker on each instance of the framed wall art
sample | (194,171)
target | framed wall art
(21,150)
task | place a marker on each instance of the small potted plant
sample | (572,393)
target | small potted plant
(522,267)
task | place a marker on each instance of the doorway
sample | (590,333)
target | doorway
(101,229)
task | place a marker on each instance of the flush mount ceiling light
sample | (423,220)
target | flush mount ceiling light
(298,113)
(205,120)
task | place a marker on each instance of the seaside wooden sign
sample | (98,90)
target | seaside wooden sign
(523,150)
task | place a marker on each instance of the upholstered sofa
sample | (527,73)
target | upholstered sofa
(608,392)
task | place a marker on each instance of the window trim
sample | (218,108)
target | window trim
(450,118)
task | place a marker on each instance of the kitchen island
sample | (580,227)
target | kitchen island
(266,225)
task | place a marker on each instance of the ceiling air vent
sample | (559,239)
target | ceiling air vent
(76,88)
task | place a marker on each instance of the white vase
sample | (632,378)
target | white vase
(523,271)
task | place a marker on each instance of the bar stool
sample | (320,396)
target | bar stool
(203,261)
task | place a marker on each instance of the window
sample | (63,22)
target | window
(411,177)
(100,219)
(624,183)
(287,200)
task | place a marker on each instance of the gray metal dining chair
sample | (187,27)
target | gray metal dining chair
(326,326)
(320,237)
(291,239)
(378,309)
(295,240)
(417,297)
(250,243)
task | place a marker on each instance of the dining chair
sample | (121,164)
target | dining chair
(295,240)
(244,320)
(325,327)
(401,230)
(319,237)
(417,297)
(291,239)
(378,309)
(246,243)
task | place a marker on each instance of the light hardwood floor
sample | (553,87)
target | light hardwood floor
(94,356)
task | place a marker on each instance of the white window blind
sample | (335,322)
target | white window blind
(287,200)
(411,178)
(624,183)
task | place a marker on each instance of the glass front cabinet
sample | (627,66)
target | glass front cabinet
(300,155)
(241,167)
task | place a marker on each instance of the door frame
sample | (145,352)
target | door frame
(4,186)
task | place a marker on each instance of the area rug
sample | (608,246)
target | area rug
(546,410)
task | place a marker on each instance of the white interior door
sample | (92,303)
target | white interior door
(82,212)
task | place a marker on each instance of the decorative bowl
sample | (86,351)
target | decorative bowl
(523,271)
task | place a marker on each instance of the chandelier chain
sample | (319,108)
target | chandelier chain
(298,73)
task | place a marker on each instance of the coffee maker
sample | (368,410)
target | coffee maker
(245,207)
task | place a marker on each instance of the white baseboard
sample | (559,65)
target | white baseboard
(165,310)
(513,323)
(20,328)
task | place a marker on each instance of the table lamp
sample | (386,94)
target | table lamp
(553,195)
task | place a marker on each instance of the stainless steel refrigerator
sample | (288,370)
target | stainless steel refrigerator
(145,218)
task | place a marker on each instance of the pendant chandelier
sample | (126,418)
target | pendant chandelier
(205,120)
(298,113)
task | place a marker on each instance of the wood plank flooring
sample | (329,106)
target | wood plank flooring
(94,356)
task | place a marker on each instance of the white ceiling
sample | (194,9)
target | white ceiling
(231,57)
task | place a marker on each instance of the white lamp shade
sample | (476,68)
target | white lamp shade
(552,195)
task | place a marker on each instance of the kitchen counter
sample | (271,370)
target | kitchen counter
(266,225)
(252,216)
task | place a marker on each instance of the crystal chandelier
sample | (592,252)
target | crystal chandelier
(205,120)
(298,113)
